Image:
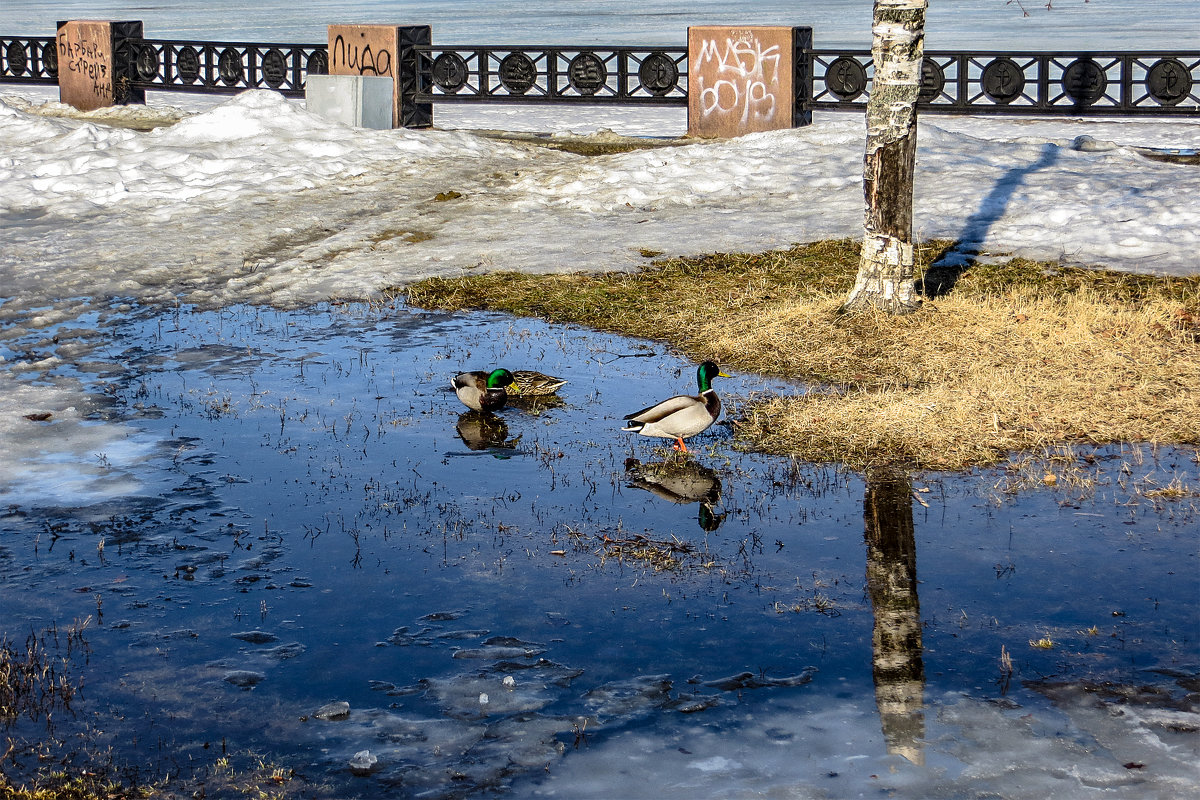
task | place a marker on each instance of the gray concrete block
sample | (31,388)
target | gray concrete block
(362,101)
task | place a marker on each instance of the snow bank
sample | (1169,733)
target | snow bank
(256,200)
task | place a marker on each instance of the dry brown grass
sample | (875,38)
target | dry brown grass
(969,378)
(1014,357)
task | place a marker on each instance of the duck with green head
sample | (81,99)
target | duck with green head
(480,390)
(682,416)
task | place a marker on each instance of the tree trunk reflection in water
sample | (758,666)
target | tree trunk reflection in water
(898,668)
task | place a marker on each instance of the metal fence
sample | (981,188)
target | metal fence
(180,66)
(28,59)
(542,74)
(1131,84)
(1113,84)
(1117,84)
(227,67)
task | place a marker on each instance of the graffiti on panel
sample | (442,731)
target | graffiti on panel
(740,76)
(360,59)
(89,60)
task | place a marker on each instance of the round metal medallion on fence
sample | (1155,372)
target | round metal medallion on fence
(147,63)
(846,78)
(229,66)
(274,68)
(187,65)
(517,73)
(1003,80)
(50,59)
(450,72)
(587,73)
(317,63)
(658,74)
(1169,81)
(17,60)
(1084,81)
(933,81)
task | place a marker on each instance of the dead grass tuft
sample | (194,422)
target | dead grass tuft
(1009,357)
(35,678)
(661,556)
(80,785)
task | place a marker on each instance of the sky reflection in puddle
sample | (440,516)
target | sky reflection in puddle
(541,602)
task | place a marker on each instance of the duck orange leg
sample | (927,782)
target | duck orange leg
(679,445)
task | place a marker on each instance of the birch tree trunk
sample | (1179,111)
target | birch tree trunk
(885,268)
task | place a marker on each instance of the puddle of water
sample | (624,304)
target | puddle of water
(294,510)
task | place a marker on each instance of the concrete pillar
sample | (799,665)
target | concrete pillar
(361,101)
(96,63)
(745,79)
(385,50)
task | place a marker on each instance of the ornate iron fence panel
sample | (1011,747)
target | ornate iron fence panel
(1115,84)
(227,67)
(968,82)
(28,59)
(544,74)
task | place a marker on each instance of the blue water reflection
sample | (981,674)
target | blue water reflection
(540,604)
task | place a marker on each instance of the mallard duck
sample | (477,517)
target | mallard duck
(528,383)
(684,415)
(483,391)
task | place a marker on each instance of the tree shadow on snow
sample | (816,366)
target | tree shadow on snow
(944,273)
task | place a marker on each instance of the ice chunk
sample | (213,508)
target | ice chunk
(339,709)
(244,678)
(363,762)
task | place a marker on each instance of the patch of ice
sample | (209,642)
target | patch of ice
(57,453)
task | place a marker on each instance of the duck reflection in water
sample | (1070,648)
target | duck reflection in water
(483,430)
(680,481)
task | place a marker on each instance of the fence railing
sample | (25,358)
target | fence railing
(544,74)
(28,59)
(985,82)
(227,67)
(1145,83)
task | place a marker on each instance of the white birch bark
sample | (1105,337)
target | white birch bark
(885,270)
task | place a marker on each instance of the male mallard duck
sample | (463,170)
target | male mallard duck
(684,415)
(528,383)
(483,391)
